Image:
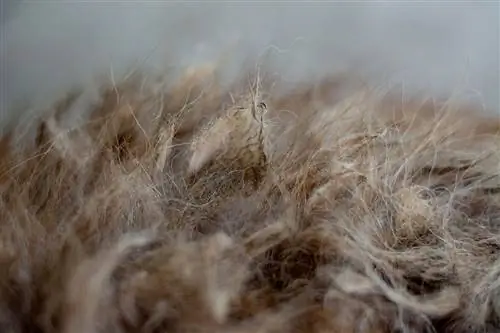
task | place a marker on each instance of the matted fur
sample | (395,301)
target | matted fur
(371,213)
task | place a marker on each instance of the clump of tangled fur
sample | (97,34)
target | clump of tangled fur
(364,212)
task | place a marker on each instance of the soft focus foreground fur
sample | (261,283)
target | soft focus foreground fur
(193,209)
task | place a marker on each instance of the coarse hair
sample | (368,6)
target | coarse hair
(377,212)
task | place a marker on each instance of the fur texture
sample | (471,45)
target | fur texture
(364,212)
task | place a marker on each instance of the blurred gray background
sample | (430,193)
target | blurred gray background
(438,46)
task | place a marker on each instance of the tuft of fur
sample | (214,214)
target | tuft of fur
(319,209)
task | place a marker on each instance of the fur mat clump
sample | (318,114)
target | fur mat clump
(367,213)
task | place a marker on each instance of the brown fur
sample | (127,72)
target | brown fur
(366,213)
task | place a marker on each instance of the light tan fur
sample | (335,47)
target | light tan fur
(364,213)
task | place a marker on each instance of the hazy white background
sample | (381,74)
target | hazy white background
(439,46)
